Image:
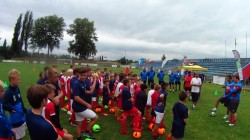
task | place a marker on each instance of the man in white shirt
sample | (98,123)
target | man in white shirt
(195,90)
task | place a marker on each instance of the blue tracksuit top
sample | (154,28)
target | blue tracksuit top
(151,75)
(5,127)
(161,75)
(177,77)
(12,101)
(143,75)
(235,92)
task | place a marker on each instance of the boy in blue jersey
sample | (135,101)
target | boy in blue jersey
(81,106)
(129,110)
(171,81)
(234,96)
(143,75)
(160,76)
(226,101)
(12,102)
(151,75)
(177,77)
(39,128)
(160,108)
(180,112)
(5,128)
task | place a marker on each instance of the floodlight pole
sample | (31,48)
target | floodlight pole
(246,44)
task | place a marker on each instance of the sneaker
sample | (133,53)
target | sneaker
(63,109)
(213,109)
(225,117)
(227,121)
(193,107)
(69,113)
(73,124)
(231,124)
(104,114)
(88,135)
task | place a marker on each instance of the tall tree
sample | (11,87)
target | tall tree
(47,33)
(26,29)
(15,43)
(5,43)
(85,37)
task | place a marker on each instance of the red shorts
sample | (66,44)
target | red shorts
(60,132)
(130,112)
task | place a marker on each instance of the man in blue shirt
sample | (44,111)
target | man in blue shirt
(151,75)
(171,81)
(234,96)
(160,76)
(177,77)
(143,75)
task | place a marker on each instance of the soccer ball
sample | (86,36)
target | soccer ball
(213,114)
(137,135)
(96,128)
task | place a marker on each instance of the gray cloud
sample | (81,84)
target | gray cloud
(146,28)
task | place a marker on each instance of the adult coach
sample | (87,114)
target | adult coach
(195,89)
(151,75)
(143,75)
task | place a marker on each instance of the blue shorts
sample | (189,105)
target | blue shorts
(178,131)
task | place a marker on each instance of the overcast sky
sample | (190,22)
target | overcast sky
(146,28)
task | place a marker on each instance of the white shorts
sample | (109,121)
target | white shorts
(89,114)
(93,99)
(159,117)
(20,131)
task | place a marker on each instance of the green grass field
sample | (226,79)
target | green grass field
(200,126)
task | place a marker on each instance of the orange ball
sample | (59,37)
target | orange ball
(98,110)
(137,135)
(112,110)
(161,131)
(151,126)
(67,107)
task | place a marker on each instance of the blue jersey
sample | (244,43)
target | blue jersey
(143,75)
(88,97)
(161,75)
(180,112)
(126,104)
(235,92)
(5,127)
(161,103)
(39,128)
(79,89)
(177,77)
(151,75)
(12,101)
(72,82)
(171,78)
(228,84)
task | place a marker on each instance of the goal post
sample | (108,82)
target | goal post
(64,61)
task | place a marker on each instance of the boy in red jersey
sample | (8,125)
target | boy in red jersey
(50,114)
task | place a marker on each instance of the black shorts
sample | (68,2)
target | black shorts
(224,101)
(187,89)
(171,83)
(195,96)
(178,131)
(233,106)
(177,83)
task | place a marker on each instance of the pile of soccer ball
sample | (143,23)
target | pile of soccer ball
(213,112)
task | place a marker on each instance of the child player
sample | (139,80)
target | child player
(180,112)
(50,114)
(5,128)
(129,109)
(141,99)
(12,101)
(149,101)
(39,128)
(160,109)
(223,100)
(81,106)
(106,95)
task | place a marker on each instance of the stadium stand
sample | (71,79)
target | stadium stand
(216,66)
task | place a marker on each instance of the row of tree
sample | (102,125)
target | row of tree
(47,32)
